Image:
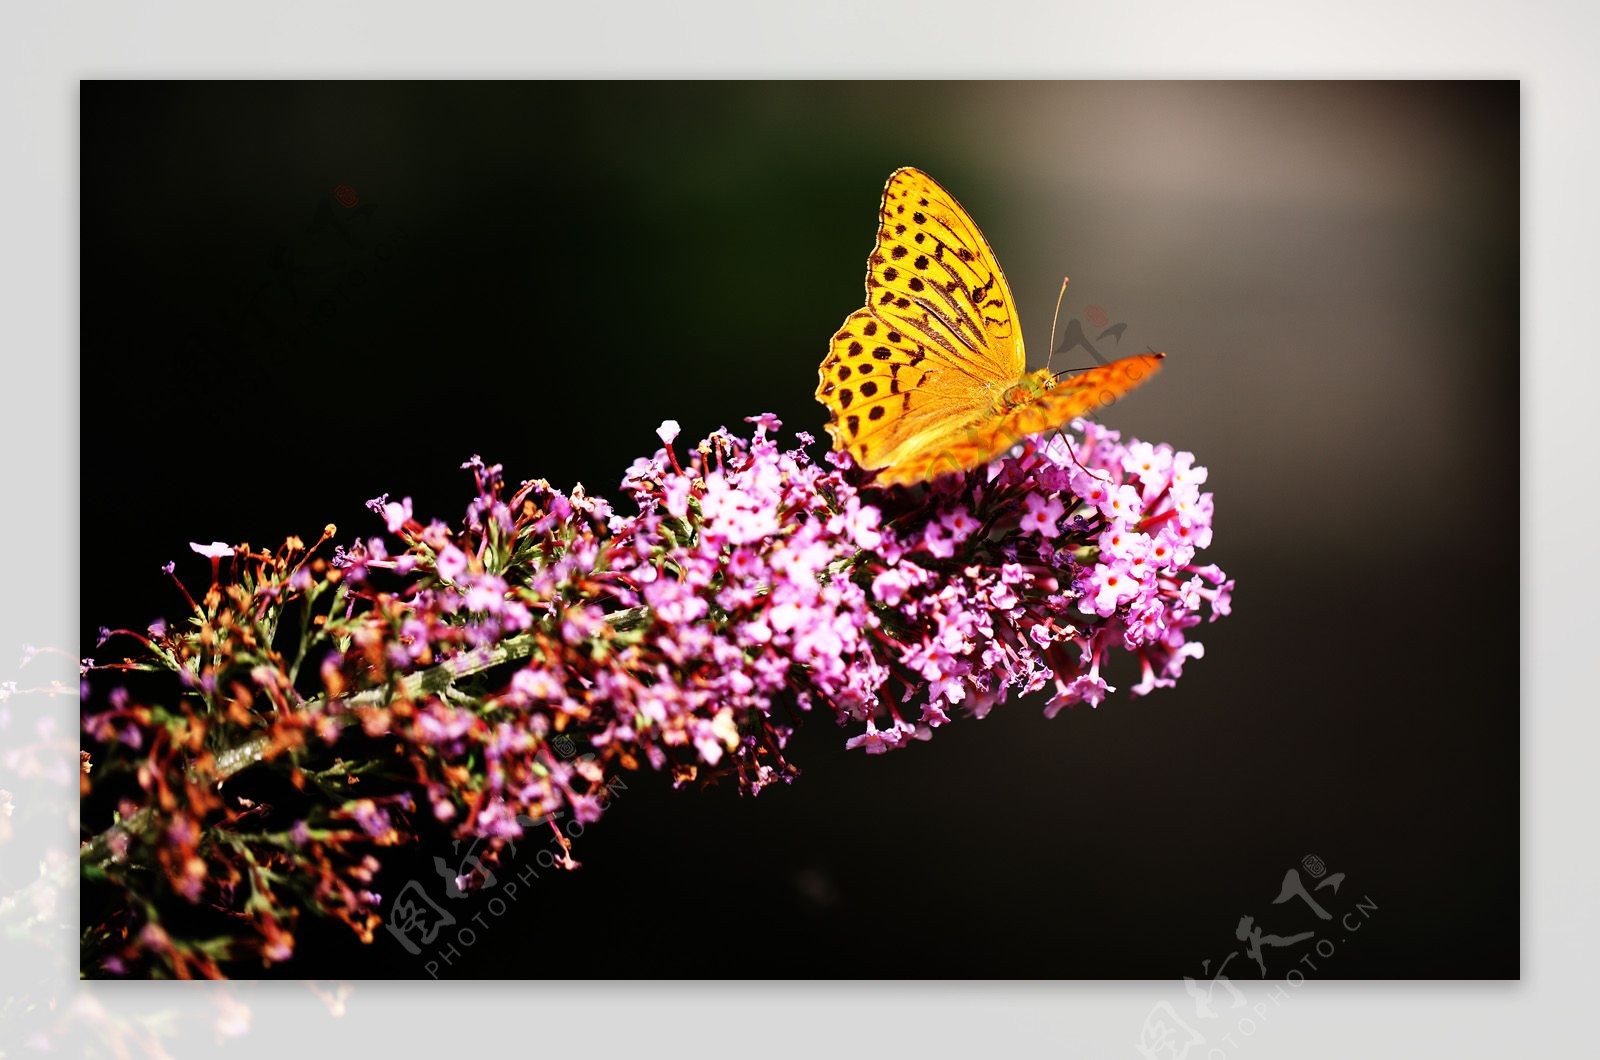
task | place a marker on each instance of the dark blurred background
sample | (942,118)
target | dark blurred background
(298,296)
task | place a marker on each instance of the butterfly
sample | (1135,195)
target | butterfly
(930,377)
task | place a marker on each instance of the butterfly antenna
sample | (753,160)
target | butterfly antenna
(1052,351)
(1068,371)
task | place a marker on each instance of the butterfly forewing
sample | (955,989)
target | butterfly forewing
(937,335)
(933,274)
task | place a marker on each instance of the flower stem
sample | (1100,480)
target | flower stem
(435,680)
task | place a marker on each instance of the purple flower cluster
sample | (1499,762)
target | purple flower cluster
(1030,572)
(753,582)
(765,574)
(743,555)
(511,666)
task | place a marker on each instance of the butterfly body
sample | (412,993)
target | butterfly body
(1029,388)
(930,376)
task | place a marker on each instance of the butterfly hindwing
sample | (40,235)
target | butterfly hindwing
(884,389)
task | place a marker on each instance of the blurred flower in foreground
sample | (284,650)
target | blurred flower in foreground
(437,678)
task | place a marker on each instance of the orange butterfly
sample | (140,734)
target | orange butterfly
(930,376)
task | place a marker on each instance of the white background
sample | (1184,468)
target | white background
(52,536)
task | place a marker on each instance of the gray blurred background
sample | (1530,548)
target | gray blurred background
(542,273)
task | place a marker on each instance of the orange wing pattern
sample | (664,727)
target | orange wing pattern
(930,375)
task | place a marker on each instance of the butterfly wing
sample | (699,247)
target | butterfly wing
(937,338)
(916,382)
(958,446)
(933,274)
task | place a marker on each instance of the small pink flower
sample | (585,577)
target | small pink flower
(1085,688)
(890,586)
(961,523)
(1094,490)
(877,741)
(939,541)
(1041,515)
(396,515)
(1123,504)
(1112,587)
(1150,464)
(452,563)
(676,496)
